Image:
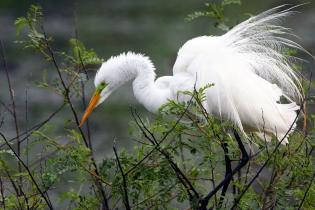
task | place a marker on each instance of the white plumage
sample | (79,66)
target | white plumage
(247,66)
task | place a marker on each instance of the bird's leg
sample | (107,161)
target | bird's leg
(244,159)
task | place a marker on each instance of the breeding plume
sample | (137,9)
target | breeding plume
(255,84)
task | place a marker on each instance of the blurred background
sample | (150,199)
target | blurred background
(155,28)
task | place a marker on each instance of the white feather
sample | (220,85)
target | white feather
(249,71)
(246,65)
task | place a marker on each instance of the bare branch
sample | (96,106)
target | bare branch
(125,189)
(5,65)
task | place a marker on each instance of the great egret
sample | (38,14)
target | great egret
(251,76)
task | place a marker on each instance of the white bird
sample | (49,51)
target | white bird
(251,76)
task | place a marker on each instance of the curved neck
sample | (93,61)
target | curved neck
(139,68)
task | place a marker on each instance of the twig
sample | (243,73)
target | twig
(28,171)
(143,128)
(181,149)
(97,176)
(76,34)
(155,194)
(265,163)
(248,167)
(6,108)
(17,191)
(26,123)
(1,121)
(14,187)
(2,194)
(305,194)
(181,176)
(213,182)
(5,65)
(75,115)
(164,137)
(304,105)
(245,158)
(125,197)
(29,132)
(65,87)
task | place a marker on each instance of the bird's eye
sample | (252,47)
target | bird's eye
(100,87)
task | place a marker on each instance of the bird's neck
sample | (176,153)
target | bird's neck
(141,70)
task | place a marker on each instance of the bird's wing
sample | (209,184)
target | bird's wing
(248,69)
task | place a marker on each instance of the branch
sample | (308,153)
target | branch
(180,175)
(265,163)
(6,108)
(68,100)
(155,194)
(29,172)
(2,194)
(76,34)
(29,132)
(5,65)
(164,137)
(307,190)
(65,87)
(125,197)
(245,158)
(14,187)
(228,170)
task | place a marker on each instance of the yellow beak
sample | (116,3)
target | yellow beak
(93,102)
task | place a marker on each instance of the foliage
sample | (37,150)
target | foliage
(184,158)
(216,11)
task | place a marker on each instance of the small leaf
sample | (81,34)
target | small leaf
(228,2)
(20,23)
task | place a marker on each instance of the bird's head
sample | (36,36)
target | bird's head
(114,73)
(105,82)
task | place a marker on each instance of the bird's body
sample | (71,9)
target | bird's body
(246,65)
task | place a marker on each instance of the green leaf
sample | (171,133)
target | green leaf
(20,23)
(228,2)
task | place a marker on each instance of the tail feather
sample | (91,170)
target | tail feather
(261,41)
